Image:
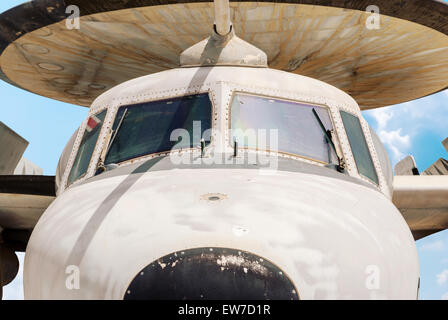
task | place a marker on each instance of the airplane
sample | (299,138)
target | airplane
(225,155)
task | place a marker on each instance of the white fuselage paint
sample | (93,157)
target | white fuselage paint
(335,239)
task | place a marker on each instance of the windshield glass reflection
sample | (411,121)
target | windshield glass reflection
(146,128)
(299,131)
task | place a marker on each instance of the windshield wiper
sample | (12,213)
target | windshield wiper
(109,141)
(329,138)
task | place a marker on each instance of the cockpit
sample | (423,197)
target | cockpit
(229,119)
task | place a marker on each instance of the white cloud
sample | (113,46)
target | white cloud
(445,296)
(382,117)
(442,277)
(396,142)
(393,138)
(399,125)
(437,245)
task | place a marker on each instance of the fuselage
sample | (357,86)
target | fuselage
(270,178)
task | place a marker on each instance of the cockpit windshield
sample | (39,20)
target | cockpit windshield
(146,128)
(301,131)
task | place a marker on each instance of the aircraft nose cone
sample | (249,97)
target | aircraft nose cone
(212,274)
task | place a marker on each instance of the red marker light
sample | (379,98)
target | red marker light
(92,123)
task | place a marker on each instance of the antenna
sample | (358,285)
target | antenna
(222,17)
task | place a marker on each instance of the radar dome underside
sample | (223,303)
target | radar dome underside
(399,62)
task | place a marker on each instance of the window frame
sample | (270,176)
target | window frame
(369,148)
(111,113)
(336,141)
(221,119)
(77,146)
(166,153)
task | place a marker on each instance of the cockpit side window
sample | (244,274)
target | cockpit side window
(88,142)
(303,129)
(359,147)
(64,159)
(147,128)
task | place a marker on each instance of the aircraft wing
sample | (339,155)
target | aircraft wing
(13,147)
(423,202)
(23,199)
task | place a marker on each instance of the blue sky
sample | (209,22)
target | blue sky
(416,128)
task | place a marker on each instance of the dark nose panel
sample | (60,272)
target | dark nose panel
(212,274)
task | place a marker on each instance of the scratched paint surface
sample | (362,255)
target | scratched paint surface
(399,62)
(322,232)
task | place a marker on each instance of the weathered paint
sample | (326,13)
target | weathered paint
(324,233)
(401,61)
(211,274)
(310,226)
(223,25)
(228,50)
(221,83)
